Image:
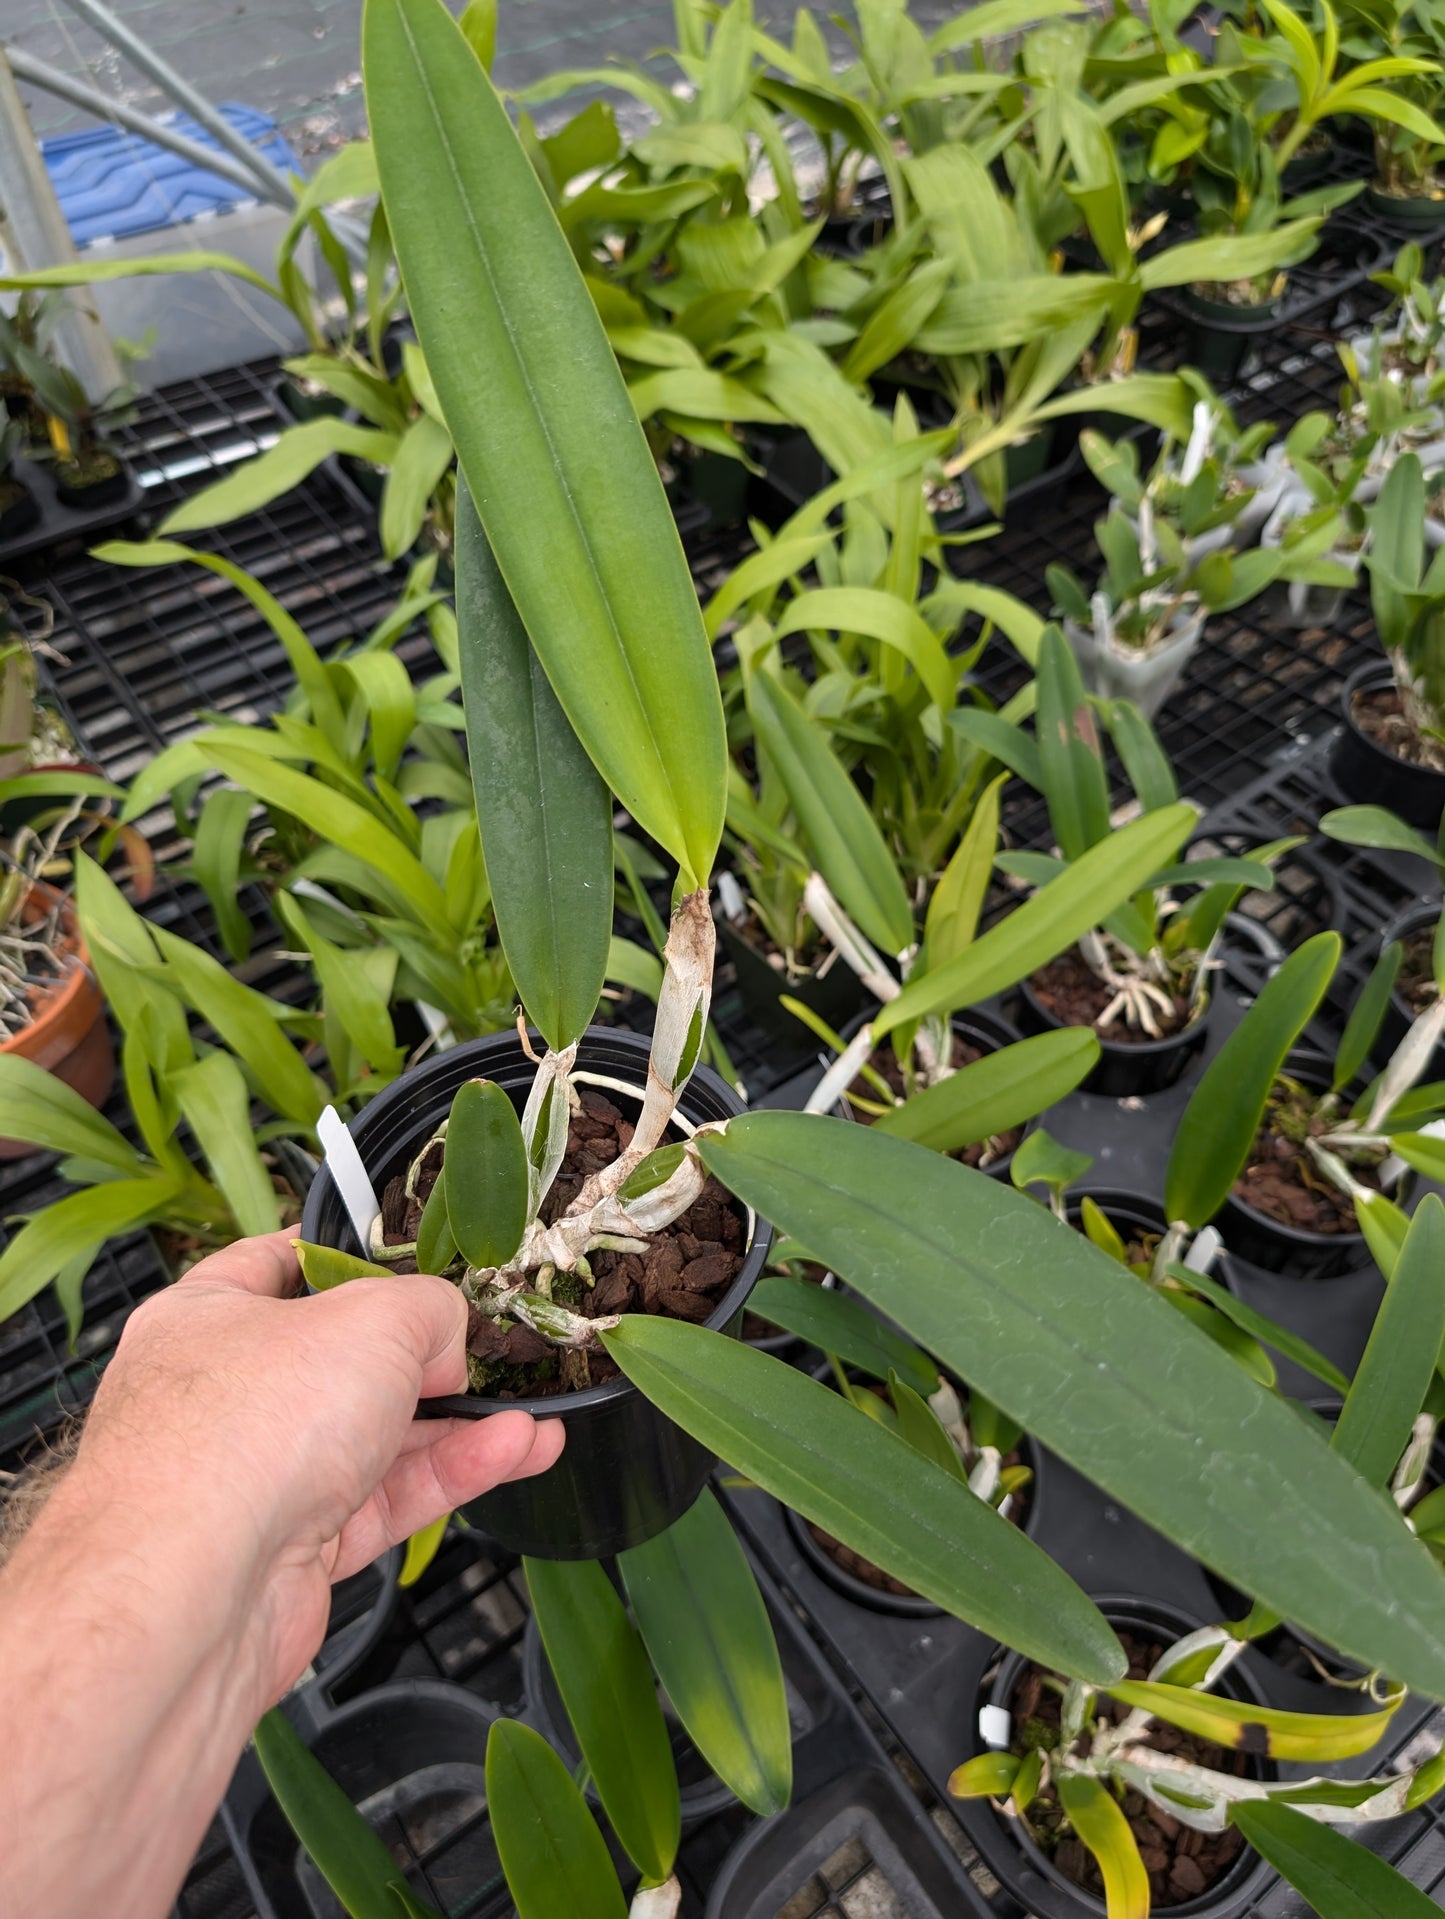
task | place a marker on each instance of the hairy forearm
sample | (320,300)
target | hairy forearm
(127,1691)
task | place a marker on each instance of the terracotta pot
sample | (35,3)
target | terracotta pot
(67,1034)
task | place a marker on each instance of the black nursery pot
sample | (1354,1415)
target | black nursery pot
(20,513)
(1410,213)
(989,1034)
(835,996)
(1022,1866)
(1125,1072)
(1218,336)
(106,490)
(626,1472)
(1253,1236)
(1366,773)
(413,1753)
(1398,1015)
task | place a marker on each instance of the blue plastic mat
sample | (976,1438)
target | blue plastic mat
(111,183)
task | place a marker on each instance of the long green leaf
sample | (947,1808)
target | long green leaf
(552,450)
(339,820)
(272,474)
(817,1453)
(487,1192)
(845,842)
(1070,753)
(51,1116)
(217,1106)
(710,1640)
(1223,1116)
(1259,1326)
(879,616)
(1106,876)
(1340,1878)
(1392,1379)
(995,1093)
(246,1021)
(1103,1372)
(95,272)
(844,1327)
(555,1859)
(51,1238)
(342,1846)
(544,812)
(607,1688)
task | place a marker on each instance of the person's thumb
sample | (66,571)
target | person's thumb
(417,1312)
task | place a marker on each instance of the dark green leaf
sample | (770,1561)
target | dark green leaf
(1075,784)
(607,1687)
(1367,1015)
(844,1327)
(557,463)
(863,1484)
(996,1093)
(342,1846)
(708,1634)
(1099,1369)
(545,814)
(1392,1379)
(1268,1331)
(555,1859)
(488,1189)
(436,1245)
(1340,1878)
(1223,1116)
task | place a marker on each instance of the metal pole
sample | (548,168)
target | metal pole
(33,233)
(271,179)
(26,67)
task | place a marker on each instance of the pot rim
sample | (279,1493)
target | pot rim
(1297,1235)
(1119,1049)
(564,1405)
(1148,1611)
(1378,674)
(78,983)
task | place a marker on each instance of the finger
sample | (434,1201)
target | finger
(266,1265)
(466,1459)
(424,1316)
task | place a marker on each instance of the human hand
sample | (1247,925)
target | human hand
(286,1427)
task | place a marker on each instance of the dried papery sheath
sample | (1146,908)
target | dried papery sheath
(544,1122)
(842,1073)
(683,1004)
(1407,1063)
(840,932)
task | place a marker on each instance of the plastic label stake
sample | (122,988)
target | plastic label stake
(344,1164)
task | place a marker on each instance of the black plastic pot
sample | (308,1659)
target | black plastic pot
(875,1598)
(1366,773)
(1125,1072)
(21,514)
(863,1824)
(412,1755)
(1418,214)
(1129,1213)
(1011,1854)
(626,1472)
(361,1610)
(1265,1242)
(1398,1015)
(836,995)
(87,495)
(990,1034)
(292,399)
(1218,336)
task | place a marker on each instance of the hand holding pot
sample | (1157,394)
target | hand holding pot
(245,1449)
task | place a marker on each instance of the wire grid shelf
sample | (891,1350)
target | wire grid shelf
(140,656)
